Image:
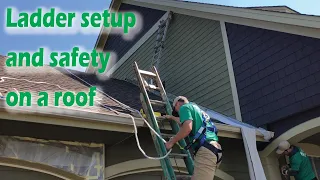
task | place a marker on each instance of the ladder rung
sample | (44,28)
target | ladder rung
(183,177)
(163,24)
(161,118)
(147,73)
(167,135)
(161,30)
(150,86)
(159,103)
(158,46)
(176,155)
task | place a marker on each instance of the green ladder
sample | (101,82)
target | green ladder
(143,78)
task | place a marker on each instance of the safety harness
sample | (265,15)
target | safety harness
(207,125)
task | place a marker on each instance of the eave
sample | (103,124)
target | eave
(70,117)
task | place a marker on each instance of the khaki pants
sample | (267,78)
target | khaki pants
(205,164)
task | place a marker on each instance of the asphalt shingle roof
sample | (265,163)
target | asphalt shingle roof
(26,78)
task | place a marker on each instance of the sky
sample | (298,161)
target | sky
(65,42)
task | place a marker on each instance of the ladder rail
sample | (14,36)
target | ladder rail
(160,147)
(161,36)
(175,127)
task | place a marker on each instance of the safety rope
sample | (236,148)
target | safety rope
(126,107)
(133,121)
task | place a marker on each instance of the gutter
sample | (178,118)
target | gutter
(70,117)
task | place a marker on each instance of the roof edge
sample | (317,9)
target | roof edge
(279,6)
(104,33)
(246,13)
(71,117)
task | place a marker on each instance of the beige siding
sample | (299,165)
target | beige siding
(10,173)
(233,163)
(193,63)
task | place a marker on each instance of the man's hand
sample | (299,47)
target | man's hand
(173,118)
(169,145)
(170,117)
(284,167)
(284,170)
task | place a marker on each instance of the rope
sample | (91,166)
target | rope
(126,107)
(133,121)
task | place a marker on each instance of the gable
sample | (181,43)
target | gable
(193,63)
(277,74)
(117,44)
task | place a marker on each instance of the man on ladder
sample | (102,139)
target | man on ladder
(203,134)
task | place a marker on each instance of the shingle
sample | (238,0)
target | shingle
(279,84)
(311,80)
(279,65)
(307,103)
(314,68)
(315,57)
(300,95)
(58,77)
(302,63)
(289,69)
(274,77)
(302,84)
(256,113)
(313,90)
(289,89)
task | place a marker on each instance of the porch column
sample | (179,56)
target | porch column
(270,165)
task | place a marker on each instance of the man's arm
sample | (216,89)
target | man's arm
(184,131)
(289,172)
(294,168)
(176,119)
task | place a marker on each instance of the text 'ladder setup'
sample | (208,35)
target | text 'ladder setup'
(147,105)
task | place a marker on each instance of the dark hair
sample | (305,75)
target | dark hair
(175,113)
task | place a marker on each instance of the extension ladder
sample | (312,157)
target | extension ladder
(161,36)
(147,105)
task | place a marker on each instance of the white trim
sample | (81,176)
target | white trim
(230,70)
(147,165)
(38,167)
(103,35)
(283,18)
(208,12)
(136,46)
(294,135)
(70,117)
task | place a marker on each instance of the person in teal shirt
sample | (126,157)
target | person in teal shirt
(300,166)
(208,153)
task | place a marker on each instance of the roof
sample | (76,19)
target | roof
(279,8)
(52,80)
(259,17)
(284,9)
(123,91)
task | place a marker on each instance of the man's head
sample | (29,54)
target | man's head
(178,102)
(284,147)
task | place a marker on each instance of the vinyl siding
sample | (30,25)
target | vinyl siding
(277,74)
(143,56)
(193,63)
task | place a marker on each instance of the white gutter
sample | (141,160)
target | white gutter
(67,114)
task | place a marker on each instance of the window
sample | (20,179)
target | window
(316,165)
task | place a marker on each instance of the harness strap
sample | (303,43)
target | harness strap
(212,149)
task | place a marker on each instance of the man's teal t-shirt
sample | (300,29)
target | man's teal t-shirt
(191,111)
(301,163)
